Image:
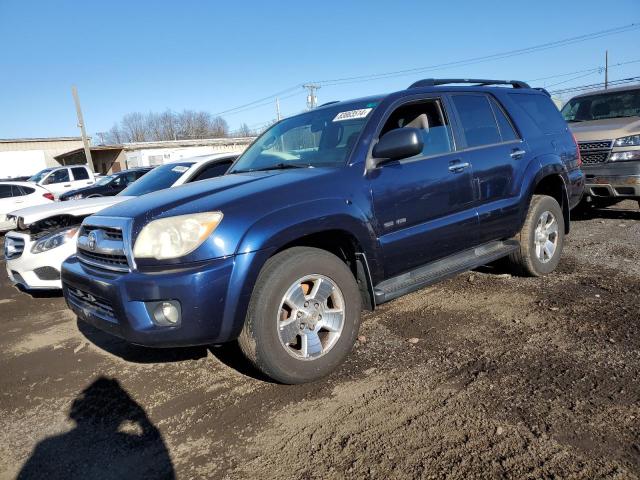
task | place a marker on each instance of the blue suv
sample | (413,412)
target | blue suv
(337,209)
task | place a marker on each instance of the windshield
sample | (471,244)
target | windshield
(160,177)
(105,180)
(319,138)
(602,106)
(40,175)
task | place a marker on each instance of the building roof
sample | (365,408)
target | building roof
(163,144)
(41,139)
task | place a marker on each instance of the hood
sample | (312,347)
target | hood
(76,208)
(216,193)
(605,129)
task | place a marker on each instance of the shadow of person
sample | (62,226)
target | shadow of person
(113,438)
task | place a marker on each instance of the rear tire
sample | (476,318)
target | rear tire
(541,238)
(285,335)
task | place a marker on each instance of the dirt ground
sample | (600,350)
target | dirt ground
(509,378)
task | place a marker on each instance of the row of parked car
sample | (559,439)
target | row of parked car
(337,209)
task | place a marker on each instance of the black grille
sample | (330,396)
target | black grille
(595,157)
(82,299)
(109,233)
(47,273)
(598,145)
(102,259)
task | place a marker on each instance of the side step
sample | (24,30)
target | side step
(440,269)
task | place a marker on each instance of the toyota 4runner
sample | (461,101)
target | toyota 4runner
(339,208)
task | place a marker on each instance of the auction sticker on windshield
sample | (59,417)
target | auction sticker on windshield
(180,169)
(352,114)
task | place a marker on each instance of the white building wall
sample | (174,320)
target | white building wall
(157,156)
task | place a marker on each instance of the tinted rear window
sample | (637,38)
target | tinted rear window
(478,121)
(80,173)
(542,111)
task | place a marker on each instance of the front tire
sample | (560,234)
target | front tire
(303,316)
(541,238)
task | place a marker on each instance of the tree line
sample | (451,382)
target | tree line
(169,125)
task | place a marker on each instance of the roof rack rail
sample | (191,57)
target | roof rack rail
(433,82)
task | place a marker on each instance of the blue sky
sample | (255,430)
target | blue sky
(142,56)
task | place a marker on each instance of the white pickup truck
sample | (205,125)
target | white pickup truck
(59,180)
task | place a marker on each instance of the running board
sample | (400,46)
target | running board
(441,269)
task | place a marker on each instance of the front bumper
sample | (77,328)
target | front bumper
(118,302)
(38,271)
(613,179)
(608,186)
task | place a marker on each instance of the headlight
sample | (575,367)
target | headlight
(630,141)
(625,156)
(54,240)
(175,237)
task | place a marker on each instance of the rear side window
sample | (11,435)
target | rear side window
(212,171)
(27,190)
(17,192)
(478,122)
(5,191)
(80,173)
(507,132)
(542,111)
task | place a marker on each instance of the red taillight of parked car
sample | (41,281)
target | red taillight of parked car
(577,150)
(48,196)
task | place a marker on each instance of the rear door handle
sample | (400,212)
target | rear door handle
(517,153)
(458,167)
(68,185)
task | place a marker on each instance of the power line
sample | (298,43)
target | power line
(593,86)
(471,61)
(485,58)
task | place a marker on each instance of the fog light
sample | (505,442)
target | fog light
(166,313)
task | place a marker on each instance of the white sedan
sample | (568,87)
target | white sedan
(14,195)
(47,235)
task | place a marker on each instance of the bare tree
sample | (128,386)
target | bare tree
(168,125)
(244,131)
(135,127)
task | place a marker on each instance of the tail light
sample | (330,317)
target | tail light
(48,196)
(577,150)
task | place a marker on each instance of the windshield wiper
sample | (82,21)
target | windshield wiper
(575,120)
(277,166)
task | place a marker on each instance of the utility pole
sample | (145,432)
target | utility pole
(606,69)
(312,99)
(85,140)
(278,109)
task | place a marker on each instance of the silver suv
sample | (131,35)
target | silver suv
(606,125)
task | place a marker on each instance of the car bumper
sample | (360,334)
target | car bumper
(38,271)
(608,186)
(613,179)
(122,303)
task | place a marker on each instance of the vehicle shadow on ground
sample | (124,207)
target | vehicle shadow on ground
(228,354)
(605,213)
(113,438)
(135,353)
(40,293)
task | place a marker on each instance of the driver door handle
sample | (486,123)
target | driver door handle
(517,153)
(458,167)
(68,185)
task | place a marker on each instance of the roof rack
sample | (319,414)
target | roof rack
(433,82)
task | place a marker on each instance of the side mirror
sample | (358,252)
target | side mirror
(398,144)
